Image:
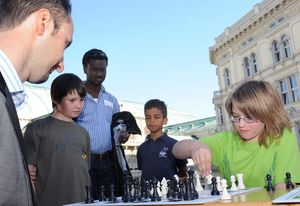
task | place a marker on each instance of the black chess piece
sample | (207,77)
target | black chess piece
(155,196)
(127,196)
(214,190)
(89,198)
(136,192)
(192,180)
(112,197)
(101,193)
(269,186)
(288,181)
(170,190)
(189,194)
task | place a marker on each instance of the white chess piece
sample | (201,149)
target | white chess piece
(208,179)
(198,186)
(241,185)
(225,195)
(219,188)
(233,185)
(164,188)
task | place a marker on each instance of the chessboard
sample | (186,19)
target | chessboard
(291,197)
(204,197)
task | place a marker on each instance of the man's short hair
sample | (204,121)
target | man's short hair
(94,54)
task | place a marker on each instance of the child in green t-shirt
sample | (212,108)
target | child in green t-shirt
(261,142)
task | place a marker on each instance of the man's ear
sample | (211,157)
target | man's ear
(44,20)
(165,120)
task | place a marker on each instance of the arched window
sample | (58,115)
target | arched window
(247,67)
(286,46)
(226,77)
(276,51)
(254,63)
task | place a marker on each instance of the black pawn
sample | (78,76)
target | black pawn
(88,198)
(269,186)
(214,190)
(288,181)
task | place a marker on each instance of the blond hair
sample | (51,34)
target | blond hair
(259,100)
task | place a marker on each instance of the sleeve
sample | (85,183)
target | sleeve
(287,158)
(216,144)
(88,149)
(31,143)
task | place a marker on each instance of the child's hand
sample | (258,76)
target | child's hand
(124,135)
(201,156)
(32,173)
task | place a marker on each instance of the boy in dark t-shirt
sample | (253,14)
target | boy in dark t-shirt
(58,149)
(154,156)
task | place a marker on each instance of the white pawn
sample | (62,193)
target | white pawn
(198,186)
(241,185)
(225,195)
(233,185)
(219,188)
(208,179)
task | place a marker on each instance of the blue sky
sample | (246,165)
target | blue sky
(156,48)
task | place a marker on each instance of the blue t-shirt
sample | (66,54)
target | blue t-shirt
(155,158)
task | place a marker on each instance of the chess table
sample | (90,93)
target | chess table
(253,198)
(256,198)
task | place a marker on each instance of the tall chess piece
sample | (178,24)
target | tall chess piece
(112,197)
(269,186)
(89,198)
(288,181)
(191,178)
(198,186)
(189,193)
(101,193)
(240,178)
(154,197)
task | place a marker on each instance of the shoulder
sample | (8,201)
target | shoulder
(110,96)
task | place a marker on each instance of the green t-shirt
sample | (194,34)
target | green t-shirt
(232,155)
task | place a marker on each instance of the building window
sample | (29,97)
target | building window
(284,91)
(226,77)
(289,89)
(254,63)
(294,88)
(286,46)
(276,51)
(247,67)
(220,115)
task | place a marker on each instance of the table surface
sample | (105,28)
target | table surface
(256,198)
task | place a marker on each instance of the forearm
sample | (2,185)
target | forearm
(183,149)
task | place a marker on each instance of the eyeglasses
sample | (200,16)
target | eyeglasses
(237,119)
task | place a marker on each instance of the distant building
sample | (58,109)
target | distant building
(262,45)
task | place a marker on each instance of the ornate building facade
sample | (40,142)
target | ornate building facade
(262,45)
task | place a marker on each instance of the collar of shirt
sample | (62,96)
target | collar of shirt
(12,80)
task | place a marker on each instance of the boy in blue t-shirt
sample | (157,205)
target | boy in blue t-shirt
(154,156)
